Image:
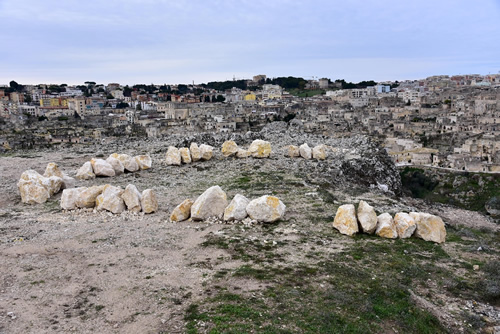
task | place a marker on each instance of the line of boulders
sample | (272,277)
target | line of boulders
(177,156)
(115,164)
(36,188)
(213,203)
(258,149)
(318,152)
(419,224)
(110,198)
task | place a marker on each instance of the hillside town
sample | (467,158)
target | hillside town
(441,121)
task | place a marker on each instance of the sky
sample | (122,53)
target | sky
(185,41)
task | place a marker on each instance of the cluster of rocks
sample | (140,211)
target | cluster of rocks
(115,164)
(213,203)
(422,225)
(177,156)
(258,149)
(36,188)
(110,198)
(318,152)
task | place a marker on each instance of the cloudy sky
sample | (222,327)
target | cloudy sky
(180,41)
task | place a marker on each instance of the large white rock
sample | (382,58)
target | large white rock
(85,172)
(32,188)
(319,152)
(292,151)
(429,227)
(116,164)
(69,198)
(206,152)
(53,184)
(210,204)
(386,227)
(405,225)
(266,209)
(260,149)
(132,198)
(229,148)
(143,161)
(102,167)
(149,201)
(173,156)
(195,152)
(305,151)
(182,211)
(87,196)
(111,200)
(185,155)
(129,163)
(236,210)
(367,217)
(345,220)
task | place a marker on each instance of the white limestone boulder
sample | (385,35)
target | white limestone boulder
(182,211)
(429,227)
(149,201)
(111,200)
(242,153)
(132,198)
(206,152)
(69,198)
(173,156)
(305,151)
(229,148)
(319,152)
(116,164)
(86,172)
(405,225)
(32,188)
(53,184)
(195,152)
(87,196)
(386,227)
(236,210)
(345,220)
(185,155)
(143,161)
(210,204)
(292,151)
(367,217)
(102,168)
(129,163)
(53,170)
(260,149)
(266,209)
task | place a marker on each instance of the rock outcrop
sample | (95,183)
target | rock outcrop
(345,220)
(210,204)
(182,211)
(236,210)
(266,209)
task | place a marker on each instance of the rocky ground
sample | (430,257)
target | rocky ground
(85,271)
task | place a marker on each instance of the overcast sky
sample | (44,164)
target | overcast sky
(178,41)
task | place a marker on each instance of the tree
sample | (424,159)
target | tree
(14,85)
(220,98)
(138,107)
(122,105)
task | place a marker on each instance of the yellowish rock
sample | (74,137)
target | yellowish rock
(195,152)
(53,170)
(206,152)
(405,225)
(367,217)
(242,154)
(132,198)
(185,155)
(182,211)
(144,161)
(429,227)
(149,201)
(53,184)
(345,220)
(85,172)
(319,152)
(229,148)
(173,156)
(386,227)
(111,200)
(129,163)
(266,209)
(292,151)
(87,196)
(236,210)
(31,188)
(260,149)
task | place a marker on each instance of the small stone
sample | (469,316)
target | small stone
(319,152)
(206,152)
(236,210)
(242,153)
(292,151)
(210,204)
(149,202)
(260,149)
(405,225)
(182,211)
(143,161)
(429,227)
(132,198)
(185,155)
(345,220)
(367,217)
(195,152)
(386,227)
(266,209)
(85,172)
(116,164)
(229,148)
(69,198)
(111,200)
(102,167)
(173,156)
(305,151)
